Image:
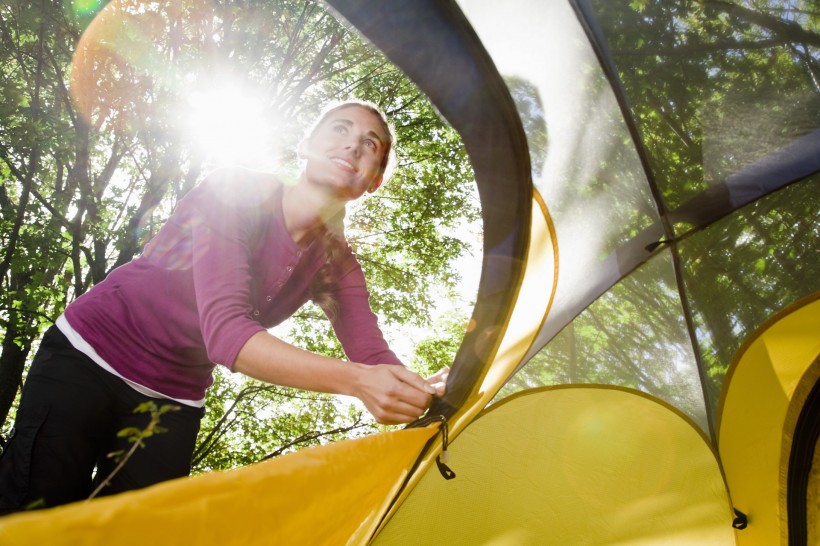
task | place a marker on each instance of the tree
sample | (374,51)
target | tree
(714,86)
(633,336)
(95,149)
(717,86)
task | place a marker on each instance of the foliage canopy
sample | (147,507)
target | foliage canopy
(103,110)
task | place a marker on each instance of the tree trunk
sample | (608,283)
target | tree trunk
(15,349)
(12,362)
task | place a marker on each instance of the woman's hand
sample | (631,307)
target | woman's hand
(392,394)
(439,380)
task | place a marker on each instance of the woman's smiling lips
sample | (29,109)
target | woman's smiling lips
(344,164)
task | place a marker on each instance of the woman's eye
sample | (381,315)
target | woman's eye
(341,129)
(370,144)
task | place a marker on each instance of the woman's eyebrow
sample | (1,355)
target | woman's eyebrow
(375,135)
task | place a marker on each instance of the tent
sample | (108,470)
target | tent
(641,364)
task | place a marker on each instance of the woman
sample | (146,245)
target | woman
(241,253)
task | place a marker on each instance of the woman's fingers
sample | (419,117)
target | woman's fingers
(439,381)
(413,379)
(394,394)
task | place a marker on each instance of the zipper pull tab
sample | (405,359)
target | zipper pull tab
(444,457)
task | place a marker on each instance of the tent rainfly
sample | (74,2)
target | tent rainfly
(641,365)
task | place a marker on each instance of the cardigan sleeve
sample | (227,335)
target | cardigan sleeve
(224,212)
(355,324)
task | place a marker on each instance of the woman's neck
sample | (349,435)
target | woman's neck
(306,210)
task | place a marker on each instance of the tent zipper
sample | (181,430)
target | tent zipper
(442,458)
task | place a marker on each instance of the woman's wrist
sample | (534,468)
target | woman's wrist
(353,378)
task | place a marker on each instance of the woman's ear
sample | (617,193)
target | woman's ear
(376,184)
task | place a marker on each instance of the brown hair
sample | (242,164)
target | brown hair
(332,239)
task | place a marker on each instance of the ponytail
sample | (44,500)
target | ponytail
(323,287)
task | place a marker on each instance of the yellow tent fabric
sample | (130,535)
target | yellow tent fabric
(516,338)
(534,299)
(326,495)
(758,417)
(333,494)
(572,465)
(565,465)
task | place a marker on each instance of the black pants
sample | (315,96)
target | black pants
(70,413)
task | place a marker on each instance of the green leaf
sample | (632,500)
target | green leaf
(146,407)
(130,432)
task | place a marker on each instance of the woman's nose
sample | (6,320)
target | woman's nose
(353,144)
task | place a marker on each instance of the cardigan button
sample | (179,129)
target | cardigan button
(256,312)
(269,298)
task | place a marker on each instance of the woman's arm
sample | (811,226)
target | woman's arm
(393,394)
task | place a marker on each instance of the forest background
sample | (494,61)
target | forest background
(109,114)
(104,125)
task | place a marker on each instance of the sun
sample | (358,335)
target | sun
(230,124)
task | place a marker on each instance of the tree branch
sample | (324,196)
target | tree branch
(315,435)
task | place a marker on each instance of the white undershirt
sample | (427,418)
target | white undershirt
(82,345)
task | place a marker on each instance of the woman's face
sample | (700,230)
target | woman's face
(344,154)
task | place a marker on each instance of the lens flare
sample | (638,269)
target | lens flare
(87,7)
(148,68)
(82,12)
(230,124)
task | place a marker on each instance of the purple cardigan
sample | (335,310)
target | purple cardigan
(223,268)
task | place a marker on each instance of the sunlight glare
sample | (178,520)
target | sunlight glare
(230,125)
(86,7)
